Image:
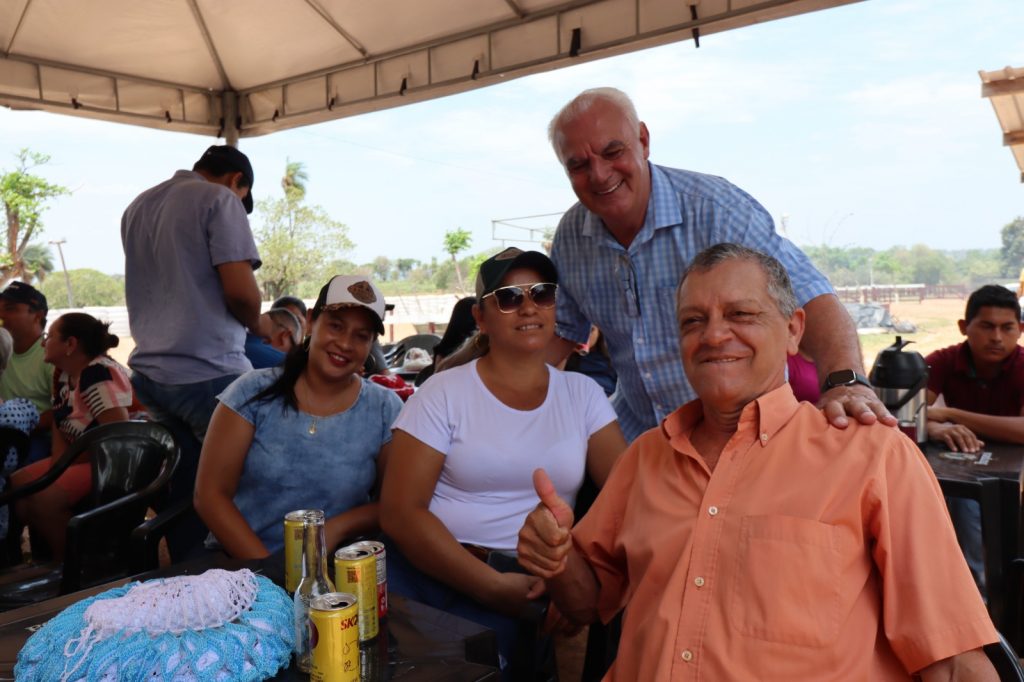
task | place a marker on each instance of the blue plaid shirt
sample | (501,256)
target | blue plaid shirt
(629,293)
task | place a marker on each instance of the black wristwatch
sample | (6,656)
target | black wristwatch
(844,377)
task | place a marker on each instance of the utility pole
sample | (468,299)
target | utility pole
(67,280)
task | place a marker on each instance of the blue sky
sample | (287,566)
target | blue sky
(861,125)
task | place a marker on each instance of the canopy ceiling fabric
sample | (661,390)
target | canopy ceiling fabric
(1005,89)
(266,65)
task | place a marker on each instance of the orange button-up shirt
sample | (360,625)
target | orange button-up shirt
(810,553)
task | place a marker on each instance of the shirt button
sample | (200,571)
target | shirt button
(687,655)
(764,437)
(640,340)
(698,581)
(713,510)
(647,374)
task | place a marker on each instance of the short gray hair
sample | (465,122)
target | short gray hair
(289,321)
(780,288)
(583,101)
(6,349)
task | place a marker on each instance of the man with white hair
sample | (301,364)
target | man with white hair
(621,249)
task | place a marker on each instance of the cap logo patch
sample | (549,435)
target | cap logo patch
(362,292)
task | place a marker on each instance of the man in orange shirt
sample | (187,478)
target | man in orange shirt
(749,540)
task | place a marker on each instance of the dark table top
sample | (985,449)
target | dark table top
(417,643)
(1007,463)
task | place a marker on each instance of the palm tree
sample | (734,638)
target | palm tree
(38,262)
(455,241)
(294,180)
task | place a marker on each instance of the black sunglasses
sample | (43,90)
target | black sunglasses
(511,298)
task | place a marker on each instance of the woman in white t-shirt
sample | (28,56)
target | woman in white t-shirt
(460,479)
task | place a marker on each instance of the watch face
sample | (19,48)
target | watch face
(843,377)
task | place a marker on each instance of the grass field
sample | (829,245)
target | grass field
(936,327)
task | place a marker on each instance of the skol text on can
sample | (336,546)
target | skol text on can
(334,637)
(293,549)
(355,571)
(382,574)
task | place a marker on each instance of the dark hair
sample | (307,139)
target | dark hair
(461,326)
(994,296)
(293,301)
(217,166)
(93,336)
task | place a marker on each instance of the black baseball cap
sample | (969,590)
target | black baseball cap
(493,270)
(223,158)
(19,292)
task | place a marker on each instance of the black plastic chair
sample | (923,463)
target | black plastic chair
(395,355)
(10,548)
(1004,659)
(132,463)
(985,491)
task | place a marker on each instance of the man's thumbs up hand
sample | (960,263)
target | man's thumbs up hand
(544,540)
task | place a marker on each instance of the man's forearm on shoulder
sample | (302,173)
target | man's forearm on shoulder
(576,590)
(830,336)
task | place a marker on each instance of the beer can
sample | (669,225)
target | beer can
(334,637)
(355,571)
(293,549)
(382,574)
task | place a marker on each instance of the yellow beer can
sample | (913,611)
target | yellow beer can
(355,571)
(293,549)
(382,574)
(334,637)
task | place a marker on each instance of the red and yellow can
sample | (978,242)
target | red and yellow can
(293,549)
(382,574)
(334,637)
(355,571)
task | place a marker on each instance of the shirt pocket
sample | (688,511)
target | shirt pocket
(786,581)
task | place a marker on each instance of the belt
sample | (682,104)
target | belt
(481,553)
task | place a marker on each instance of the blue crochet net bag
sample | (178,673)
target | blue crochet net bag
(221,625)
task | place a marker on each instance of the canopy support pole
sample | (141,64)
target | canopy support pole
(231,119)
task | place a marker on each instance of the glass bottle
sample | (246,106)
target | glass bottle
(314,583)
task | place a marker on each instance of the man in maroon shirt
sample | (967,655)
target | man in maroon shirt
(982,379)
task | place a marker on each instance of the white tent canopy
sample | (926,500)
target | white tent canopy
(1005,89)
(239,68)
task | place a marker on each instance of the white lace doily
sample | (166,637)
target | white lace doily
(174,605)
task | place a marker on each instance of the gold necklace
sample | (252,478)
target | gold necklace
(309,404)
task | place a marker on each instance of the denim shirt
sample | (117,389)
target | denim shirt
(289,468)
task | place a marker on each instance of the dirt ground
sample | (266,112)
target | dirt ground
(936,327)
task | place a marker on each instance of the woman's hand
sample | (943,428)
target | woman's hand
(511,593)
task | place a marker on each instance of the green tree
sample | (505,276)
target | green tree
(382,267)
(38,260)
(25,196)
(294,181)
(1013,247)
(455,242)
(295,240)
(930,266)
(91,287)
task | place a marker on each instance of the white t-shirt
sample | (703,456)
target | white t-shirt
(486,489)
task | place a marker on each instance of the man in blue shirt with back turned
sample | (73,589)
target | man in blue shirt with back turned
(621,251)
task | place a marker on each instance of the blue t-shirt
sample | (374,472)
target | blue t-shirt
(260,353)
(289,468)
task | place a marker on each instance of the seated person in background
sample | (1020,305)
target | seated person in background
(18,414)
(89,388)
(297,307)
(749,540)
(802,375)
(23,311)
(307,435)
(458,485)
(461,326)
(283,331)
(593,360)
(981,380)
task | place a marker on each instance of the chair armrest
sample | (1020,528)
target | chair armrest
(145,539)
(48,477)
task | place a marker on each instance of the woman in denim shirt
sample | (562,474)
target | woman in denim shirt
(307,435)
